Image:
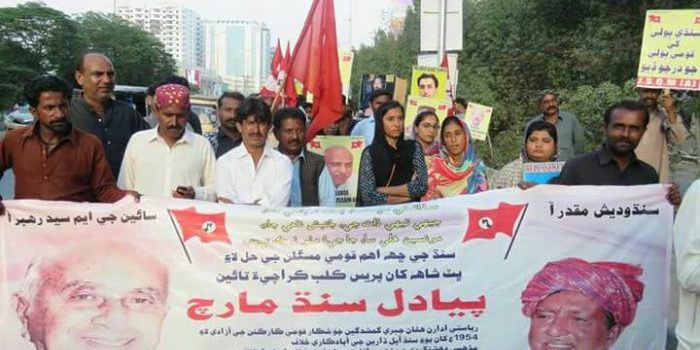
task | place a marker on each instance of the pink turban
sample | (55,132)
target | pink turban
(172,94)
(613,286)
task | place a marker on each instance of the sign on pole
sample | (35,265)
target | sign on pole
(670,55)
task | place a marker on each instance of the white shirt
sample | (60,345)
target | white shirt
(687,244)
(240,181)
(153,168)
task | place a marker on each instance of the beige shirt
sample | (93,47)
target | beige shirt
(153,168)
(653,147)
(686,237)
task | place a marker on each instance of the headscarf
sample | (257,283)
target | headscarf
(391,166)
(172,94)
(465,178)
(433,148)
(614,286)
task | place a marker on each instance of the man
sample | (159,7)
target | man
(254,173)
(339,164)
(577,305)
(687,246)
(94,295)
(665,126)
(51,159)
(615,163)
(113,122)
(365,127)
(569,131)
(228,137)
(460,107)
(170,160)
(193,122)
(311,184)
(427,85)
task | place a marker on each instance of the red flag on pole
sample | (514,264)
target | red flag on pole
(487,223)
(276,60)
(289,90)
(315,64)
(208,227)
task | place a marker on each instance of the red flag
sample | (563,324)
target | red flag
(290,91)
(208,227)
(276,60)
(655,18)
(487,223)
(315,64)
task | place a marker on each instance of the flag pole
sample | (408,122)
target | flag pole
(179,237)
(520,221)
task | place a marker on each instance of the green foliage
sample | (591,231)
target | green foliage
(35,39)
(138,57)
(586,50)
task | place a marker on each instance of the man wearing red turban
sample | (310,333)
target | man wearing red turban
(577,305)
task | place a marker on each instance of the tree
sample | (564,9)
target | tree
(586,50)
(34,40)
(138,57)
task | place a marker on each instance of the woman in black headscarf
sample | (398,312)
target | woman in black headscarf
(392,169)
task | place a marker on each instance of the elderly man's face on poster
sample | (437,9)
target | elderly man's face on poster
(570,320)
(108,300)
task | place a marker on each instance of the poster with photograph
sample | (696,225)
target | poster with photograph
(429,82)
(371,82)
(342,156)
(417,104)
(478,117)
(465,272)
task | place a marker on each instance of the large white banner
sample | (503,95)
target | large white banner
(549,268)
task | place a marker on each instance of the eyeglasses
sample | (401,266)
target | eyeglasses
(428,125)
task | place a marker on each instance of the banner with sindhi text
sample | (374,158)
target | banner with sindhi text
(507,269)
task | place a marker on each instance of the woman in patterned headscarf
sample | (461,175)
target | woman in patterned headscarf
(457,170)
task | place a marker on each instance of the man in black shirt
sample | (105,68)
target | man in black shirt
(615,163)
(95,112)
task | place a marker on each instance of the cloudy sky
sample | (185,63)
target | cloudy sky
(284,17)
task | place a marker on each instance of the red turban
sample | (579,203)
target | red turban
(172,94)
(615,287)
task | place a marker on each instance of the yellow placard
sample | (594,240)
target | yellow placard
(429,82)
(417,104)
(478,117)
(342,156)
(670,55)
(345,59)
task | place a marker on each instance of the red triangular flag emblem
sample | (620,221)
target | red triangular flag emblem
(208,227)
(486,223)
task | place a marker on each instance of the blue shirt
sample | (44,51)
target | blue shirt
(326,190)
(364,128)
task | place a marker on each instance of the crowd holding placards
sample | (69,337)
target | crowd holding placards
(94,148)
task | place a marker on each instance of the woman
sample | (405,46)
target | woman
(425,129)
(392,170)
(540,145)
(457,171)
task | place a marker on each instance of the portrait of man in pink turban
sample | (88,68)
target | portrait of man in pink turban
(579,305)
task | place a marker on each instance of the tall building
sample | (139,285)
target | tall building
(181,31)
(239,52)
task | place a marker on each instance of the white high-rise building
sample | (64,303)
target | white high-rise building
(239,52)
(181,30)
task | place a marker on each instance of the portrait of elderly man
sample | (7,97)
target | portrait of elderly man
(94,295)
(339,163)
(579,305)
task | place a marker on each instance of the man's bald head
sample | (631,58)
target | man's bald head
(95,74)
(339,163)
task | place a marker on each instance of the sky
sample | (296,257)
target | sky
(284,17)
